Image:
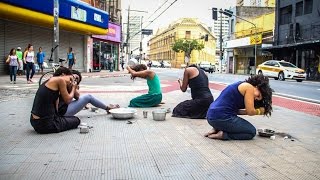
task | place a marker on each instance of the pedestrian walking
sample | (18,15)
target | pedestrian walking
(197,107)
(20,61)
(12,60)
(250,97)
(40,59)
(71,58)
(111,63)
(28,57)
(154,96)
(122,64)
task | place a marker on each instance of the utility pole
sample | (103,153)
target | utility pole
(140,49)
(127,40)
(221,57)
(56,30)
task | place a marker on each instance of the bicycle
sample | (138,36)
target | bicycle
(53,65)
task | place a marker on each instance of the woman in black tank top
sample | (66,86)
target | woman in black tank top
(44,115)
(201,95)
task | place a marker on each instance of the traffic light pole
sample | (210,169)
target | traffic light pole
(221,57)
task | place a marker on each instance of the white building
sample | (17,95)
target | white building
(216,31)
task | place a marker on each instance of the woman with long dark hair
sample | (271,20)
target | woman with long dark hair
(28,57)
(154,96)
(197,107)
(44,115)
(250,97)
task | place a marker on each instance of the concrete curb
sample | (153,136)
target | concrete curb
(297,98)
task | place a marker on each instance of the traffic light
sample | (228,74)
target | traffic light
(206,37)
(214,13)
(227,12)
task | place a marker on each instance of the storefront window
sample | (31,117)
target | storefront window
(104,53)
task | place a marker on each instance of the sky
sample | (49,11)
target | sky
(181,8)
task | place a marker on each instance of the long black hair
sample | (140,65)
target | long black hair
(262,83)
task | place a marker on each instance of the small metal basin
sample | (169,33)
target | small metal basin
(159,115)
(266,132)
(123,113)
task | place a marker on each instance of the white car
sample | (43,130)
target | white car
(281,70)
(155,64)
(166,64)
(206,66)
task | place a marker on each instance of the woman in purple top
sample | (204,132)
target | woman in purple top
(12,60)
(250,97)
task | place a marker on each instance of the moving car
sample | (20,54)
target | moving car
(281,70)
(155,64)
(206,66)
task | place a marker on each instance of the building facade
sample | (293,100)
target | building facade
(256,3)
(185,28)
(26,22)
(297,35)
(108,45)
(243,50)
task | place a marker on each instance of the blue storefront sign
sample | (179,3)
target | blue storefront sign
(68,9)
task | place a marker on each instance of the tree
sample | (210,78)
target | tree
(187,46)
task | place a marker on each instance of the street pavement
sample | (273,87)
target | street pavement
(147,149)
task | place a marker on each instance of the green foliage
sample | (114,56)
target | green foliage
(187,46)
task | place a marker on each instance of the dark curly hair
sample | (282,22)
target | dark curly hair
(262,83)
(137,68)
(62,70)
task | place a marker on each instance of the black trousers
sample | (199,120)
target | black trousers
(54,124)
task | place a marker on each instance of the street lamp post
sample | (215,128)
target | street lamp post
(230,13)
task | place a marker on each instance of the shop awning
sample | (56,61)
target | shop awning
(291,45)
(15,13)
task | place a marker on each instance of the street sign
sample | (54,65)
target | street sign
(256,39)
(147,31)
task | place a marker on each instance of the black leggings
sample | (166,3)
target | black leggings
(30,66)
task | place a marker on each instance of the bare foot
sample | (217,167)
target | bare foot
(112,106)
(212,131)
(218,135)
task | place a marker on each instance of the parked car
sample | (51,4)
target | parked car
(144,62)
(155,64)
(281,70)
(166,64)
(207,66)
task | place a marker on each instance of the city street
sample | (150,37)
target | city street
(147,149)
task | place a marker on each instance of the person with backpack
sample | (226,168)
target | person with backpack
(71,58)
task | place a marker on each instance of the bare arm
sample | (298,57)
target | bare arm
(185,81)
(8,59)
(249,100)
(66,96)
(141,74)
(24,57)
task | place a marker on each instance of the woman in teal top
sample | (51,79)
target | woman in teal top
(154,96)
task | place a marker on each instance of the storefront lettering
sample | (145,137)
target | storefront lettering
(112,31)
(78,14)
(97,17)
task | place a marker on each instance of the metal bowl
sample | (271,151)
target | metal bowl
(266,132)
(159,115)
(123,113)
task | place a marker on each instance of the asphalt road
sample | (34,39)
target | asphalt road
(305,89)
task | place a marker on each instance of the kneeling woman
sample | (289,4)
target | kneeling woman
(154,96)
(251,97)
(201,95)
